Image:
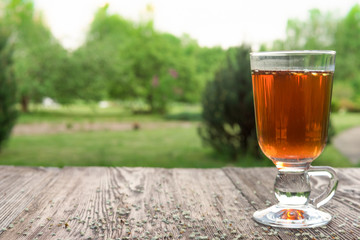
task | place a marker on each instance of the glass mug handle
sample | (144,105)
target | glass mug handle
(329,192)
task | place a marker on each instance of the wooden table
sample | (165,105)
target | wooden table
(150,203)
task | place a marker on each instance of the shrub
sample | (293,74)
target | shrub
(228,110)
(8,113)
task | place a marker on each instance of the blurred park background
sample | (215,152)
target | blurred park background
(133,95)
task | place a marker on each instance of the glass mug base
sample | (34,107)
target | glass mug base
(292,216)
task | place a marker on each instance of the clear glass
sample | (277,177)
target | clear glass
(292,97)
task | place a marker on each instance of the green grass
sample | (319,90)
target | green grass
(343,121)
(169,148)
(332,157)
(115,113)
(172,147)
(80,113)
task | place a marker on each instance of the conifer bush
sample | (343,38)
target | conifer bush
(228,110)
(8,113)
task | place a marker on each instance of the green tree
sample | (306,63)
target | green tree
(8,113)
(139,62)
(36,52)
(106,45)
(208,63)
(161,71)
(228,109)
(82,76)
(315,33)
(348,49)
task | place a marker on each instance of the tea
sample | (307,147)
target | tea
(292,113)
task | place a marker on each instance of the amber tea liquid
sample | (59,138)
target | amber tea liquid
(292,113)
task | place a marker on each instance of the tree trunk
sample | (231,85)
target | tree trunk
(151,102)
(234,155)
(25,104)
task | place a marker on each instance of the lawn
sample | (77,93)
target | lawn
(343,121)
(171,147)
(117,112)
(160,147)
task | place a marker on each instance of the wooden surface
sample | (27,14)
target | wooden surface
(148,203)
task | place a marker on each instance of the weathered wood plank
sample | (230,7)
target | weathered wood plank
(19,187)
(257,184)
(139,203)
(149,203)
(206,200)
(57,206)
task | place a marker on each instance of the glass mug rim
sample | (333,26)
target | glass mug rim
(293,53)
(304,60)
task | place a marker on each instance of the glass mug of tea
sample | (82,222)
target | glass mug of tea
(292,96)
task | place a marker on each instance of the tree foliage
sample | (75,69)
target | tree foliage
(347,45)
(315,33)
(36,52)
(120,60)
(139,62)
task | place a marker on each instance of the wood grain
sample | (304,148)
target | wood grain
(154,203)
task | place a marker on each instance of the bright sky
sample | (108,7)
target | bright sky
(210,22)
